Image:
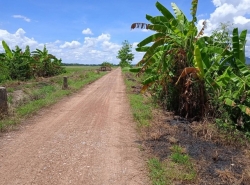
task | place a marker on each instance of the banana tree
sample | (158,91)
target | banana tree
(46,64)
(4,72)
(172,54)
(42,62)
(235,81)
(191,68)
(18,64)
(235,93)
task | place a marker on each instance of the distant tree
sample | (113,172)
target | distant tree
(107,64)
(125,54)
(222,35)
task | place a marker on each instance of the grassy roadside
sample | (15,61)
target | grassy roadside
(26,98)
(178,166)
(141,105)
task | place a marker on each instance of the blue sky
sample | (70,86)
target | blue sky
(92,31)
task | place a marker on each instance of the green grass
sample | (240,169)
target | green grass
(142,112)
(47,92)
(141,106)
(35,105)
(177,167)
(75,69)
(157,172)
(178,155)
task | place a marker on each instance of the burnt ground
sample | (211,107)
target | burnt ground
(216,160)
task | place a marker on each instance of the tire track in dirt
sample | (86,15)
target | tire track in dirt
(88,138)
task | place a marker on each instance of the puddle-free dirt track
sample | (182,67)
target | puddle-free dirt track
(88,138)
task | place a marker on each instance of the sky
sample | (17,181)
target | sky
(91,32)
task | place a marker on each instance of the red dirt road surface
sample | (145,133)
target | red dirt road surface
(88,138)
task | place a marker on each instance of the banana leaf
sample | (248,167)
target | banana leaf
(164,11)
(151,38)
(160,28)
(236,44)
(158,20)
(243,68)
(243,41)
(224,79)
(179,14)
(243,108)
(152,49)
(198,63)
(142,49)
(8,52)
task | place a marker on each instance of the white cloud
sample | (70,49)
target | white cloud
(241,20)
(94,50)
(134,45)
(229,11)
(22,17)
(93,41)
(57,41)
(17,38)
(201,15)
(72,45)
(109,46)
(103,37)
(87,31)
(217,3)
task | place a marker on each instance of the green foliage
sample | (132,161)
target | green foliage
(16,63)
(107,64)
(19,65)
(176,168)
(157,172)
(178,157)
(171,51)
(221,35)
(46,64)
(141,106)
(125,55)
(192,74)
(4,72)
(232,85)
(125,69)
(141,111)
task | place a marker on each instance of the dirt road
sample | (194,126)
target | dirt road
(88,139)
